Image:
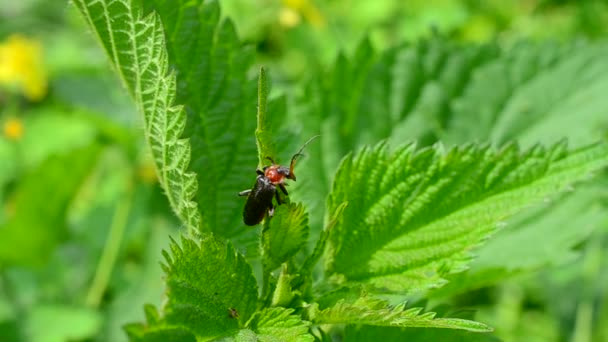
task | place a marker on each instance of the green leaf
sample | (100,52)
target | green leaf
(205,283)
(365,333)
(561,225)
(280,324)
(409,90)
(212,67)
(313,258)
(283,293)
(141,333)
(414,216)
(36,223)
(54,323)
(531,102)
(155,330)
(286,235)
(372,311)
(136,47)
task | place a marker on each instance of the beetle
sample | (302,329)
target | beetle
(259,198)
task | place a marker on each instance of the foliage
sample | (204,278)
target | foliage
(443,171)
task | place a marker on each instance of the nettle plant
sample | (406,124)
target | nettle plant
(400,219)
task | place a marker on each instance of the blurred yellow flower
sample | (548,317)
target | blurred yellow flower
(306,8)
(288,17)
(13,128)
(147,173)
(21,66)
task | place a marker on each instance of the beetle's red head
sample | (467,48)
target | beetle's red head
(277,174)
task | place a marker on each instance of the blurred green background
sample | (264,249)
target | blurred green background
(82,218)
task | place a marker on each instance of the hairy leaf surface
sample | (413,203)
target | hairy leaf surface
(372,311)
(136,47)
(287,233)
(206,283)
(280,324)
(415,215)
(214,84)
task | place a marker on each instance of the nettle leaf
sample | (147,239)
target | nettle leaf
(409,89)
(529,100)
(415,215)
(365,333)
(211,289)
(561,226)
(141,333)
(280,324)
(286,235)
(372,311)
(214,84)
(156,330)
(136,47)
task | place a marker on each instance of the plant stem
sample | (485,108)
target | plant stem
(110,251)
(265,270)
(262,130)
(583,328)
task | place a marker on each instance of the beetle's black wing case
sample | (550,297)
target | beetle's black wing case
(259,201)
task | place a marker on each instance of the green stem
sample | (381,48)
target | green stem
(583,328)
(110,251)
(262,131)
(265,269)
(12,297)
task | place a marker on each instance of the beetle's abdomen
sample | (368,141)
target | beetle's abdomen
(259,201)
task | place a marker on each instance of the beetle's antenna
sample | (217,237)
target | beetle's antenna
(271,160)
(299,153)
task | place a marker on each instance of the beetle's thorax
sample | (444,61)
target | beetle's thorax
(277,174)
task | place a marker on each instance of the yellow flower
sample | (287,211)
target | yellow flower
(147,172)
(306,8)
(288,17)
(21,66)
(13,129)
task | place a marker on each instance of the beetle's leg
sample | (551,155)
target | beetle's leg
(245,193)
(282,186)
(279,200)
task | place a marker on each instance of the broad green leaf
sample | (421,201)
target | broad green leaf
(408,89)
(561,226)
(214,84)
(141,333)
(522,95)
(136,47)
(205,283)
(304,279)
(36,212)
(286,235)
(280,324)
(155,330)
(371,311)
(310,262)
(414,216)
(365,333)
